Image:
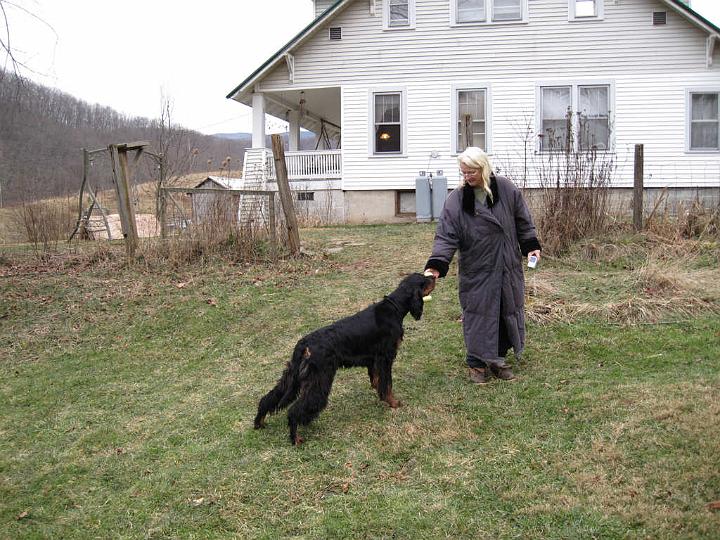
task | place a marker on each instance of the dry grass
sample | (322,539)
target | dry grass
(671,280)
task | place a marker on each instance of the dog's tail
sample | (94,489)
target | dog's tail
(286,389)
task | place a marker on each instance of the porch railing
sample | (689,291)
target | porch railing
(309,165)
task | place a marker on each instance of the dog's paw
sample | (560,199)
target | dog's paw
(259,424)
(298,440)
(394,403)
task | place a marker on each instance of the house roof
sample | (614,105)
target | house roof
(682,8)
(693,16)
(224,182)
(278,56)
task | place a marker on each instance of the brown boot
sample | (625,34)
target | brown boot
(504,373)
(478,375)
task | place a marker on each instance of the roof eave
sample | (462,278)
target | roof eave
(270,63)
(694,16)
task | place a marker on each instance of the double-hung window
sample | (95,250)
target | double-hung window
(704,121)
(579,10)
(399,14)
(387,123)
(574,117)
(471,119)
(483,11)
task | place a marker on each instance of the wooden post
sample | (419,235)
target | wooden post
(285,195)
(638,188)
(125,207)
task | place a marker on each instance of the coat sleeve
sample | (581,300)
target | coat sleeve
(447,238)
(526,233)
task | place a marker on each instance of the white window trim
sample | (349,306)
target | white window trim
(599,5)
(454,112)
(488,16)
(688,117)
(411,17)
(403,121)
(574,84)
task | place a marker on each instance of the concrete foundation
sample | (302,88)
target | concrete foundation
(356,207)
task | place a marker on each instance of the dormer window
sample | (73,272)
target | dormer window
(488,11)
(583,10)
(399,14)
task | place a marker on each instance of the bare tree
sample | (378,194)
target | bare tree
(12,62)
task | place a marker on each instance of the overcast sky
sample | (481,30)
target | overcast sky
(127,54)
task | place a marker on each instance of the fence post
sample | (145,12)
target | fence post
(285,195)
(638,188)
(122,190)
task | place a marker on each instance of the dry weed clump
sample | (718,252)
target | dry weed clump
(688,220)
(201,244)
(45,223)
(628,310)
(665,285)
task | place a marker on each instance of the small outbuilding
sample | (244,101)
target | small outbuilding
(216,206)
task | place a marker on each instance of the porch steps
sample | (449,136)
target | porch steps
(253,208)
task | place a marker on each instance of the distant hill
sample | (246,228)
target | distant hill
(43,132)
(307,139)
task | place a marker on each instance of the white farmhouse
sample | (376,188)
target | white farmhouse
(393,87)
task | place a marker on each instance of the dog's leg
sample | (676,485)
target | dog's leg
(313,398)
(374,377)
(384,368)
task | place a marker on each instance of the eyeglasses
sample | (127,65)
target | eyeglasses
(469,173)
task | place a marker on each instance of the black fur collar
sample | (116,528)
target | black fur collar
(468,201)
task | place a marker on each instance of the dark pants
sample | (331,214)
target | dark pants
(503,346)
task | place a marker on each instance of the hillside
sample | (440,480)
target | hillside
(43,132)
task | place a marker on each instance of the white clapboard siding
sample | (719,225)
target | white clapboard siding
(650,67)
(322,5)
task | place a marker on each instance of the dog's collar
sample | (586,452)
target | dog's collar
(393,303)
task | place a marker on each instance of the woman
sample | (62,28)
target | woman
(487,220)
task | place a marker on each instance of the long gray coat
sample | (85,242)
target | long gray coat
(490,239)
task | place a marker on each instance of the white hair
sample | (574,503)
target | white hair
(474,158)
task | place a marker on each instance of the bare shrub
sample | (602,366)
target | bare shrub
(688,220)
(575,184)
(214,232)
(45,223)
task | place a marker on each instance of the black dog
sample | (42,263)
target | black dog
(369,338)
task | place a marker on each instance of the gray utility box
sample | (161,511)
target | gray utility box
(439,194)
(430,194)
(423,200)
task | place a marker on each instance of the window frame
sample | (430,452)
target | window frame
(524,18)
(455,105)
(401,91)
(411,17)
(599,12)
(575,86)
(688,120)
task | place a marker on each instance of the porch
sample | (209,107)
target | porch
(305,166)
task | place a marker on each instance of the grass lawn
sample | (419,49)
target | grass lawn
(128,396)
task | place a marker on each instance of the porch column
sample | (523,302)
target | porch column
(258,133)
(294,138)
